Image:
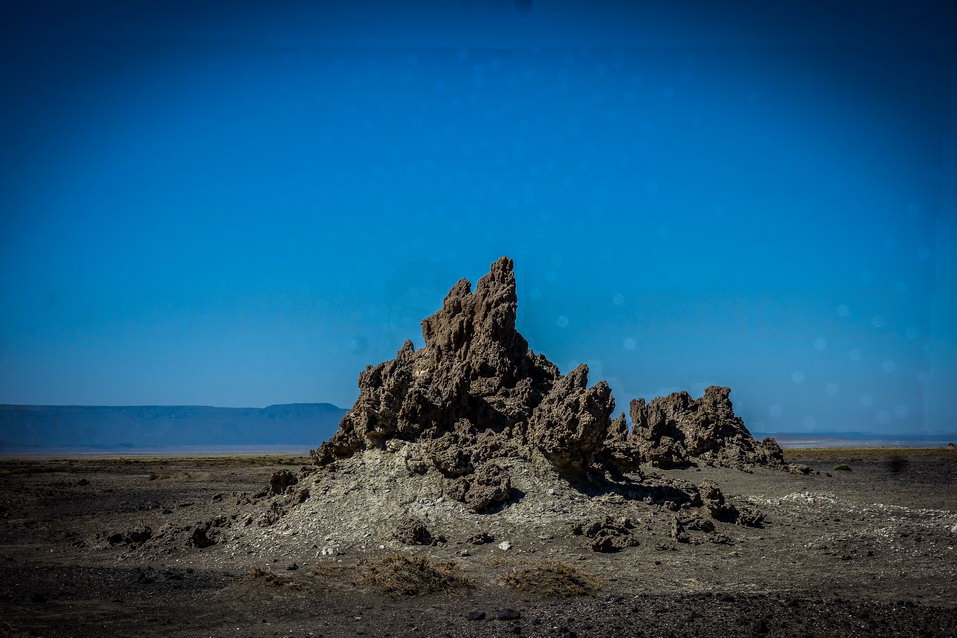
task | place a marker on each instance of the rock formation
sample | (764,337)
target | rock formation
(677,430)
(476,394)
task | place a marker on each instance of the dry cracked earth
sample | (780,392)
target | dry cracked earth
(864,552)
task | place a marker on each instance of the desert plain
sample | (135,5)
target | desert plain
(868,551)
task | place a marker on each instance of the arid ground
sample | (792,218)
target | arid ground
(864,551)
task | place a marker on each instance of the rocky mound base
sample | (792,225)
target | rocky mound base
(377,500)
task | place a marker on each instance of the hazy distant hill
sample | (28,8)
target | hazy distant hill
(54,426)
(860,439)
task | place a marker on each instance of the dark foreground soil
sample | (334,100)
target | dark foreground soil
(868,551)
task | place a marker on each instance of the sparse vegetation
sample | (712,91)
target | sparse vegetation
(265,578)
(404,576)
(551,579)
(842,467)
(865,454)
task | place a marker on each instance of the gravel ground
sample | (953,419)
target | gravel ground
(870,551)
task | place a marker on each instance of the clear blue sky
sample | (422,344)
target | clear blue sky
(245,203)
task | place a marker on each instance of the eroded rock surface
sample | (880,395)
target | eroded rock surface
(677,430)
(477,393)
(280,481)
(486,489)
(607,535)
(721,510)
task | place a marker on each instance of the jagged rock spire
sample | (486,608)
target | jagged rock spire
(476,393)
(676,430)
(476,388)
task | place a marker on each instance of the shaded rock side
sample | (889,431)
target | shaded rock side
(572,422)
(486,489)
(677,430)
(476,392)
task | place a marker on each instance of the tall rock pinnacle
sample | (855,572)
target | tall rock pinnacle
(476,391)
(676,430)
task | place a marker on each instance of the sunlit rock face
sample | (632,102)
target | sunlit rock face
(476,393)
(677,430)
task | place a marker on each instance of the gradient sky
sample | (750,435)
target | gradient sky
(245,203)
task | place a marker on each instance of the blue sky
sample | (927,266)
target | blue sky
(244,204)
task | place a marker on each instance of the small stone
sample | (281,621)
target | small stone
(413,532)
(475,615)
(480,539)
(507,614)
(281,480)
(505,546)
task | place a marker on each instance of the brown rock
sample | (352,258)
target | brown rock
(720,510)
(607,535)
(476,392)
(487,488)
(569,427)
(413,532)
(281,480)
(713,501)
(475,395)
(677,430)
(480,538)
(199,538)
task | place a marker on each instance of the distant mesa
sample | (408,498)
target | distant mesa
(115,428)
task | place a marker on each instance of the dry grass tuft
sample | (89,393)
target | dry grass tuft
(554,580)
(317,580)
(264,578)
(405,576)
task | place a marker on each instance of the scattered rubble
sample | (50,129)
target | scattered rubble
(413,532)
(133,537)
(607,535)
